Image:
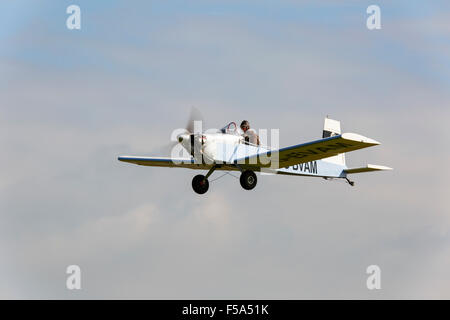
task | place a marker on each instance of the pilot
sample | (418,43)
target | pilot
(249,135)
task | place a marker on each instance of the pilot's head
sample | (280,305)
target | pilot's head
(245,125)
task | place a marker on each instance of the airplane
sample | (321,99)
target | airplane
(227,150)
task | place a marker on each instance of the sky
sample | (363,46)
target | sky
(71,101)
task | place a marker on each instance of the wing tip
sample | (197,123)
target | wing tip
(378,167)
(359,138)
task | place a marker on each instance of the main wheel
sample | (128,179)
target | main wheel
(200,184)
(248,180)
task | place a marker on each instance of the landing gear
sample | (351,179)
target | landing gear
(200,184)
(248,180)
(352,183)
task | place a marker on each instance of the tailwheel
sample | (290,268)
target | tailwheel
(352,183)
(248,180)
(200,184)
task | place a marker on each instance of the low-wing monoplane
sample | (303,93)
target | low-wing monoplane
(226,149)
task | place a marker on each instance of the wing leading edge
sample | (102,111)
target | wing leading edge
(158,161)
(188,163)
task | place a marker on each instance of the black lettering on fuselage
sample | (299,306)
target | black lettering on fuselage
(310,167)
(314,166)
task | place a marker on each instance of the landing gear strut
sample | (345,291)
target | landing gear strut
(248,180)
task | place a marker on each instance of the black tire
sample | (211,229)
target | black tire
(248,180)
(200,184)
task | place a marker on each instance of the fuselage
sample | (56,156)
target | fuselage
(211,147)
(220,148)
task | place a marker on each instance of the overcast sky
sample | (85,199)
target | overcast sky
(71,101)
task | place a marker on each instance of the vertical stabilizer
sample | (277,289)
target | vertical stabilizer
(333,128)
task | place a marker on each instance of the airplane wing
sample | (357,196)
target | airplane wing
(164,162)
(309,151)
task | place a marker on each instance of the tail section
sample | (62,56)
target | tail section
(333,128)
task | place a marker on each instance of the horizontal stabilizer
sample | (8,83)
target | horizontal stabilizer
(368,168)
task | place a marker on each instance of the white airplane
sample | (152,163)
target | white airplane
(226,149)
